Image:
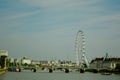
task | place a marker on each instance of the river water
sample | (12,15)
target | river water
(27,75)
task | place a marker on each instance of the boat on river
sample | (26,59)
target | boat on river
(106,73)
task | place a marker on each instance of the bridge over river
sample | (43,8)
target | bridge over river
(65,69)
(50,69)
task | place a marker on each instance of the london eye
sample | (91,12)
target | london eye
(80,49)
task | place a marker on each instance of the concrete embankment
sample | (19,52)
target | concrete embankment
(99,70)
(2,71)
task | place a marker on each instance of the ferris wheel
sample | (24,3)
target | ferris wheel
(80,49)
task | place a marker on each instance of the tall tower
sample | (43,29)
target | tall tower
(3,56)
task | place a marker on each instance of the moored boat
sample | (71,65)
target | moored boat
(106,73)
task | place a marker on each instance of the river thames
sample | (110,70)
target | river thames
(27,75)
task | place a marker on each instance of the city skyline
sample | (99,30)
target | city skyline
(46,29)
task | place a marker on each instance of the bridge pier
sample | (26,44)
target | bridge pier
(51,70)
(95,70)
(34,70)
(67,70)
(82,70)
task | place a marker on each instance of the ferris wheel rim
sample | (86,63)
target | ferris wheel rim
(80,48)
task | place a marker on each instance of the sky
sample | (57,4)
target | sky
(46,29)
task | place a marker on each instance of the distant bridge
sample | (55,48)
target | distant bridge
(50,68)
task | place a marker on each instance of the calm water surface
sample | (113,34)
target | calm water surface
(57,76)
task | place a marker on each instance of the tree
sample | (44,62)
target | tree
(118,66)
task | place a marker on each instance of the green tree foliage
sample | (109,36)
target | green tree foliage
(118,66)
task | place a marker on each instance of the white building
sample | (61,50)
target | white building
(109,63)
(25,61)
(35,62)
(11,60)
(3,55)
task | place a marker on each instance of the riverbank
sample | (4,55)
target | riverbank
(2,71)
(99,70)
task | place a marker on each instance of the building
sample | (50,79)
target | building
(105,62)
(3,56)
(65,63)
(44,63)
(33,62)
(25,60)
(12,62)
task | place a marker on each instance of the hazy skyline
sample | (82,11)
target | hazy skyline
(45,29)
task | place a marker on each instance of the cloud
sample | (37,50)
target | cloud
(19,15)
(50,27)
(101,19)
(43,43)
(59,3)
